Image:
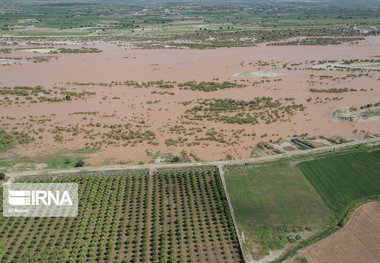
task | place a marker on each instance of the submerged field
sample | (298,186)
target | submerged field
(106,84)
(132,106)
(165,217)
(343,179)
(157,82)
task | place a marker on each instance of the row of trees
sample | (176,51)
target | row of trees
(165,217)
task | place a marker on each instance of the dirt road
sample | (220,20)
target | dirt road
(154,166)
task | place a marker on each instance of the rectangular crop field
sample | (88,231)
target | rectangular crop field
(272,203)
(176,216)
(342,179)
(273,194)
(376,153)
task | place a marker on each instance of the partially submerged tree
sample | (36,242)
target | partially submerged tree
(79,164)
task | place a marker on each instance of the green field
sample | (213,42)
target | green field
(271,204)
(342,179)
(67,158)
(277,203)
(376,153)
(228,24)
(42,33)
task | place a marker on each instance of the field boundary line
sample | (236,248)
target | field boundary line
(330,230)
(221,175)
(263,159)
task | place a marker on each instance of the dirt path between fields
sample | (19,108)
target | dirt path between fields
(154,166)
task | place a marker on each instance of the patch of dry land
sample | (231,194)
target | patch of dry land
(132,104)
(358,241)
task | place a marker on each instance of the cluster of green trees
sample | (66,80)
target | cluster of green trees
(275,237)
(168,217)
(321,41)
(39,94)
(351,61)
(115,134)
(206,39)
(331,90)
(8,139)
(370,105)
(130,135)
(175,142)
(5,50)
(242,112)
(77,50)
(209,86)
(40,59)
(23,91)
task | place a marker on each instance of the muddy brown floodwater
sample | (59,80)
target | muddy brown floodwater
(129,104)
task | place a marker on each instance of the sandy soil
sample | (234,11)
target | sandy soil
(117,63)
(358,241)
